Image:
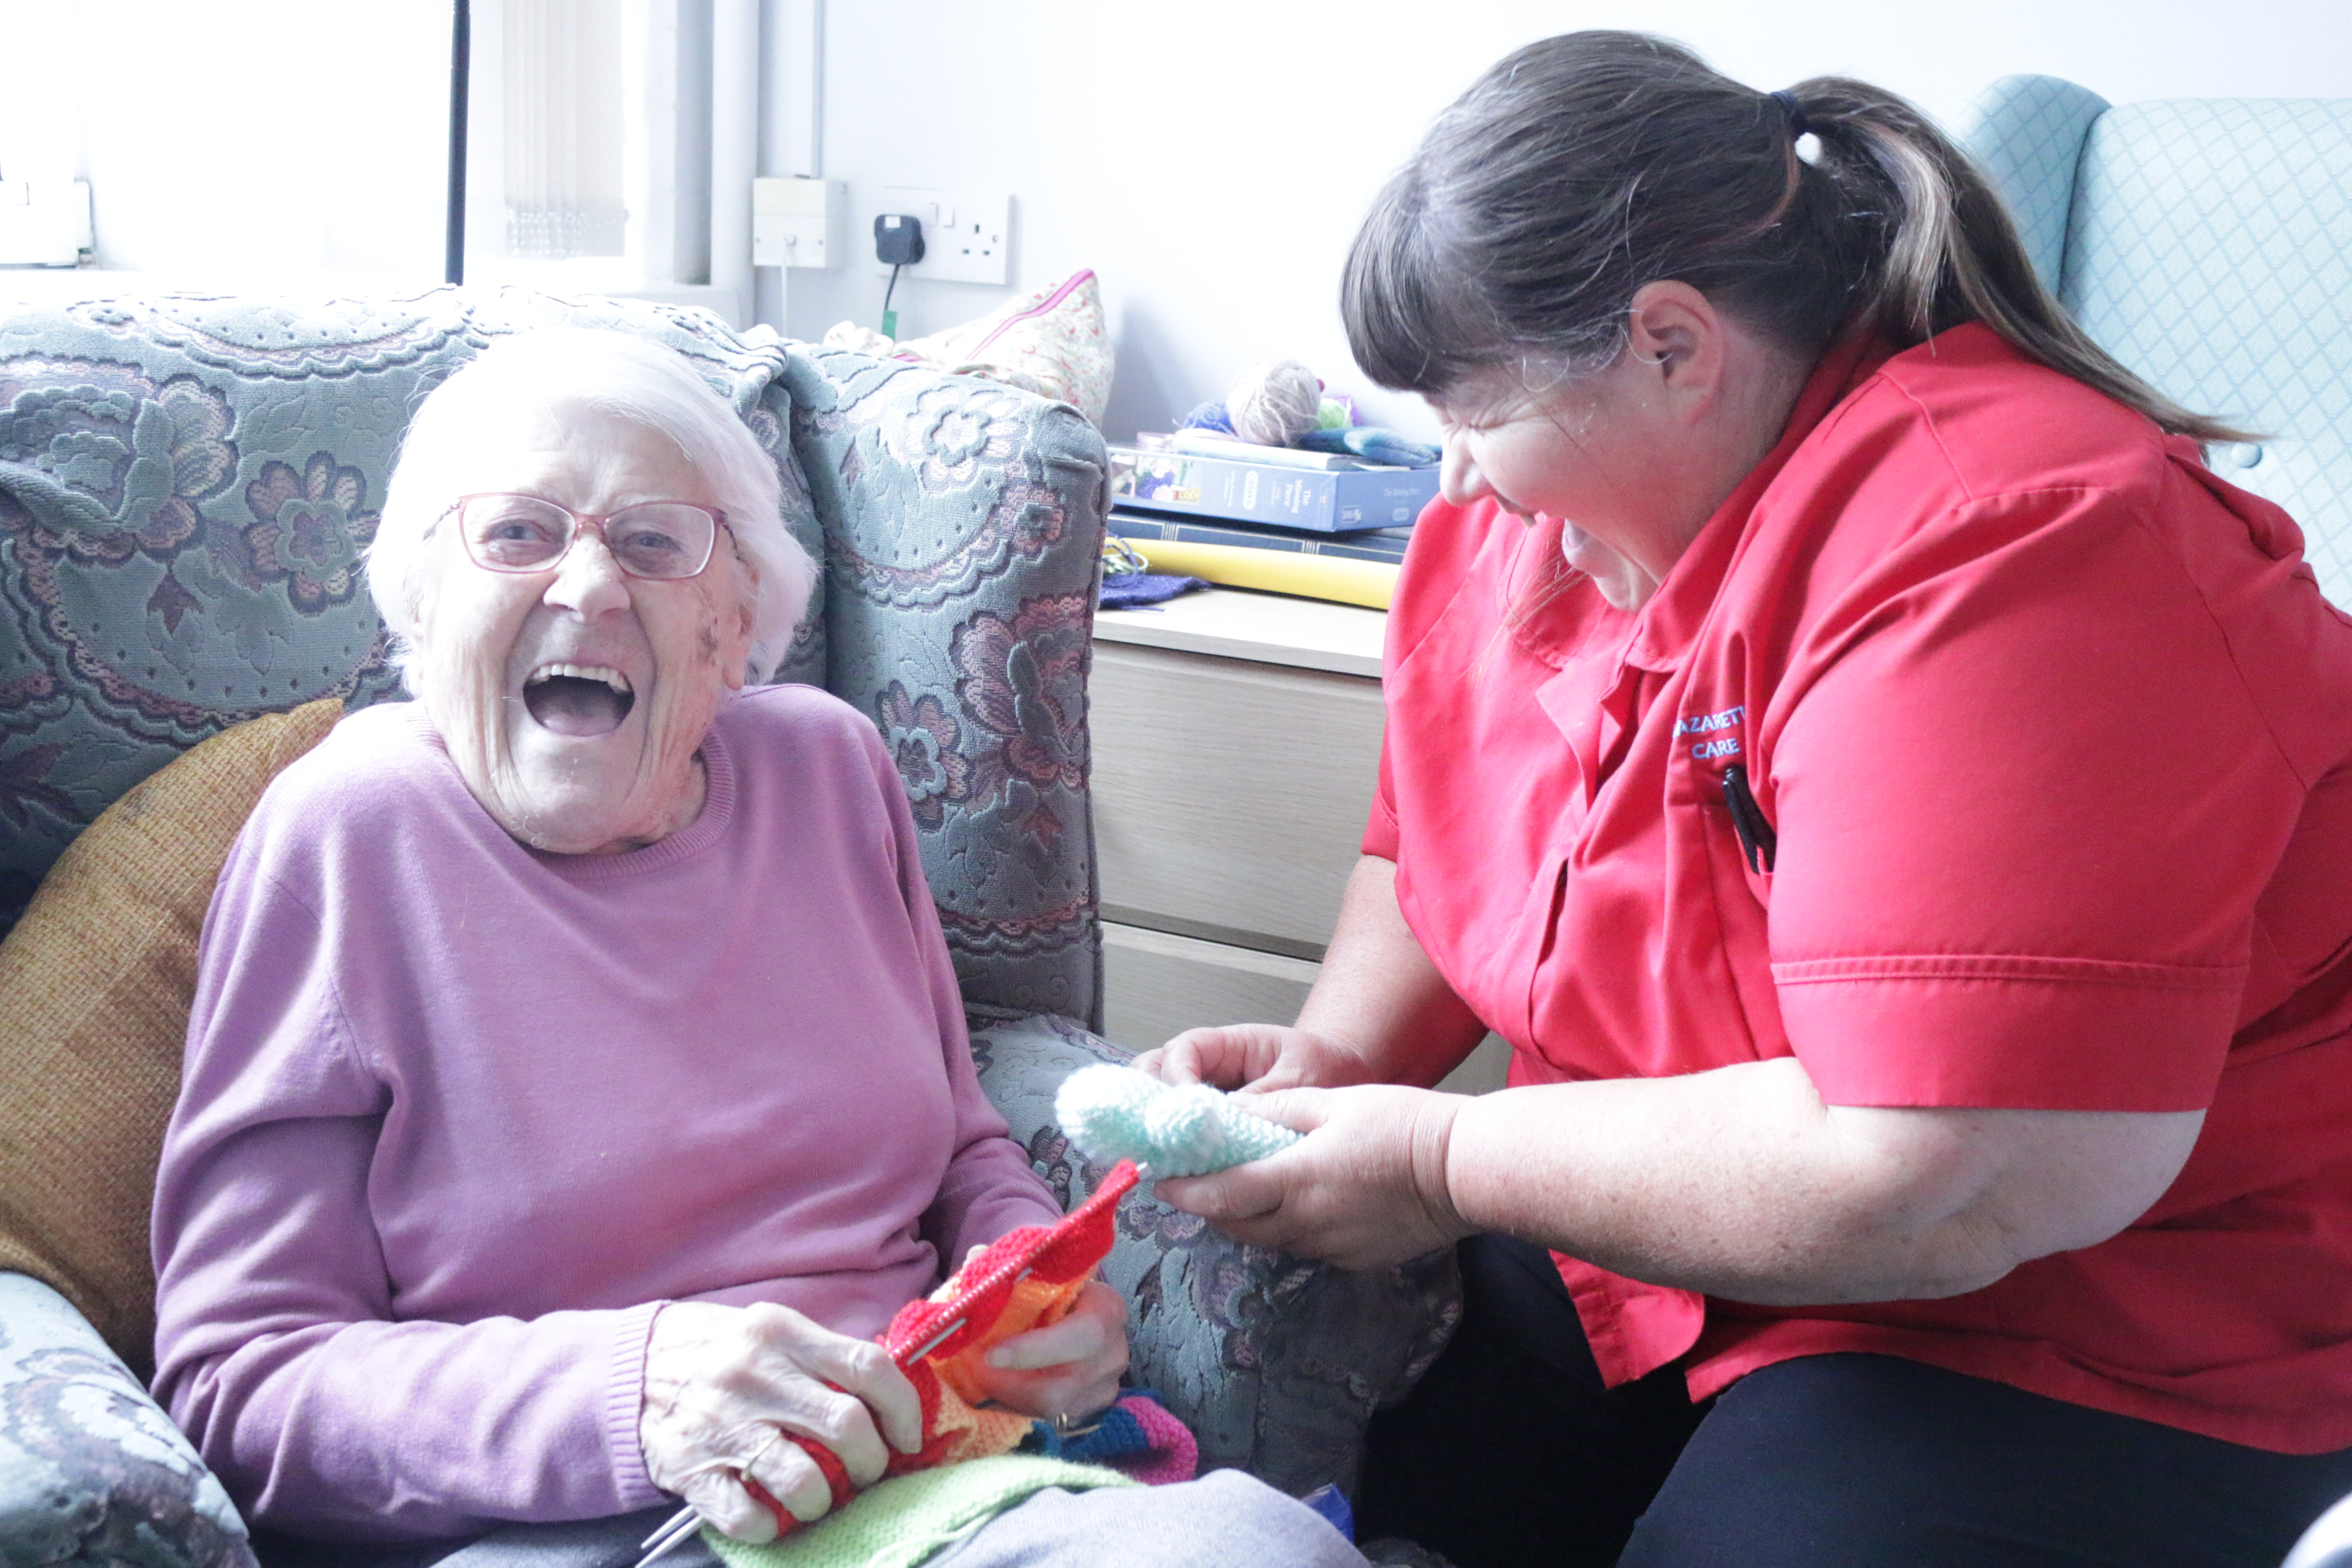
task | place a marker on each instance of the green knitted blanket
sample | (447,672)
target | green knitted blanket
(900,1523)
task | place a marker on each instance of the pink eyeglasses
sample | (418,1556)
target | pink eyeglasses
(662,539)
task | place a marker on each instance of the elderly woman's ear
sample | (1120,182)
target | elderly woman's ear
(747,604)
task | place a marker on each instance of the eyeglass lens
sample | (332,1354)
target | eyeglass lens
(523,533)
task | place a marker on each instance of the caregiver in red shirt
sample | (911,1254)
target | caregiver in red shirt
(1896,803)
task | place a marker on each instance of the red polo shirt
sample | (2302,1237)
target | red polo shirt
(2050,733)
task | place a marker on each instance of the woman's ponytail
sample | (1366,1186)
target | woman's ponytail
(1584,166)
(1949,251)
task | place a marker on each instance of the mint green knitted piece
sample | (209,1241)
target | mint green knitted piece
(1178,1130)
(900,1523)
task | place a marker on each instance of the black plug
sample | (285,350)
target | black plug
(897,239)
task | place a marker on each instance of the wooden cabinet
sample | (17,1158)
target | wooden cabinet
(1236,743)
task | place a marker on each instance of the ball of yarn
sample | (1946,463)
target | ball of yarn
(1179,1129)
(1274,405)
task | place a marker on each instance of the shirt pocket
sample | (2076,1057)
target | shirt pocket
(1736,840)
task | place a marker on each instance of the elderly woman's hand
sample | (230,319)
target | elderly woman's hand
(1069,1368)
(724,1383)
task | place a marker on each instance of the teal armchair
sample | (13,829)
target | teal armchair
(186,485)
(2207,243)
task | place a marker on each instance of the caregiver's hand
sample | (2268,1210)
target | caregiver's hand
(1259,1057)
(1379,1013)
(722,1385)
(1365,1188)
(1069,1368)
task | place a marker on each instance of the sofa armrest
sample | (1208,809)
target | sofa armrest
(1276,1361)
(91,1470)
(963,526)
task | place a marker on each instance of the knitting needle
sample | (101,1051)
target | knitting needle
(683,1524)
(672,1535)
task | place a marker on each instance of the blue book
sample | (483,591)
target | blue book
(1373,544)
(1326,501)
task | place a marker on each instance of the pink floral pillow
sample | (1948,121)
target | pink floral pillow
(1050,342)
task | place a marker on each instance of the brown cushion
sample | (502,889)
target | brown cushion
(95,984)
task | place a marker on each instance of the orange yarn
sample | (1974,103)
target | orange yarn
(1032,1303)
(1028,1279)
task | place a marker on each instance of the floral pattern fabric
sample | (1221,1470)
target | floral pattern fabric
(962,525)
(1274,1362)
(91,1470)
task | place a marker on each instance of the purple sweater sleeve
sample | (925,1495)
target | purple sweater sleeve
(279,1349)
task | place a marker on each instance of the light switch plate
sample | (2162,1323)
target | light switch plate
(965,233)
(799,223)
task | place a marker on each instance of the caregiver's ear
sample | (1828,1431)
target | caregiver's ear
(1677,331)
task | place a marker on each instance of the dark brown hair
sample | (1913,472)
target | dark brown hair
(1584,166)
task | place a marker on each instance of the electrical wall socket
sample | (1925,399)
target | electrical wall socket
(44,223)
(965,233)
(799,223)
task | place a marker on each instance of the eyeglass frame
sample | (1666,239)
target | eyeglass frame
(581,524)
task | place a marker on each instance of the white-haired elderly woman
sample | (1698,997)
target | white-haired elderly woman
(577,1081)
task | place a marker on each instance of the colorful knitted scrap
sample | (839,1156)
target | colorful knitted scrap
(1028,1279)
(1138,1436)
(1179,1129)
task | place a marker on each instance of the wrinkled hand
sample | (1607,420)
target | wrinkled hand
(1365,1188)
(1255,1058)
(1069,1368)
(723,1384)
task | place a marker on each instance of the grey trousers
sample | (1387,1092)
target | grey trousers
(1226,1519)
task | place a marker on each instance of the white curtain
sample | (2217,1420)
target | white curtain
(563,128)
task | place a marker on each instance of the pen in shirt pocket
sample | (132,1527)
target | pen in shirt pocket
(1757,842)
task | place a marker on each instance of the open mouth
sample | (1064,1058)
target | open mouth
(578,698)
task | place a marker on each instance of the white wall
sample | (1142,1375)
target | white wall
(1210,160)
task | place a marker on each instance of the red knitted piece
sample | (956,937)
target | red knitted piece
(960,1322)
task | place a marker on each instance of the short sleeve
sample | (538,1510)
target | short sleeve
(2025,809)
(1380,835)
(1443,556)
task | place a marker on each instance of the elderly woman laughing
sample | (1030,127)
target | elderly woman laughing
(577,1080)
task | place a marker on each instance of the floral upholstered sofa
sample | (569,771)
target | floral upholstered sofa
(185,486)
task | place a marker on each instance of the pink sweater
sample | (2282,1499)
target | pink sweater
(457,1116)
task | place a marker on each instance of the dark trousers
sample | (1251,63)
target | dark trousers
(1510,1453)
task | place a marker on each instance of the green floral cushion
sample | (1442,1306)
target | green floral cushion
(91,1470)
(962,530)
(1276,1361)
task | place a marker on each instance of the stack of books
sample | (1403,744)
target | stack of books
(1324,526)
(1302,491)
